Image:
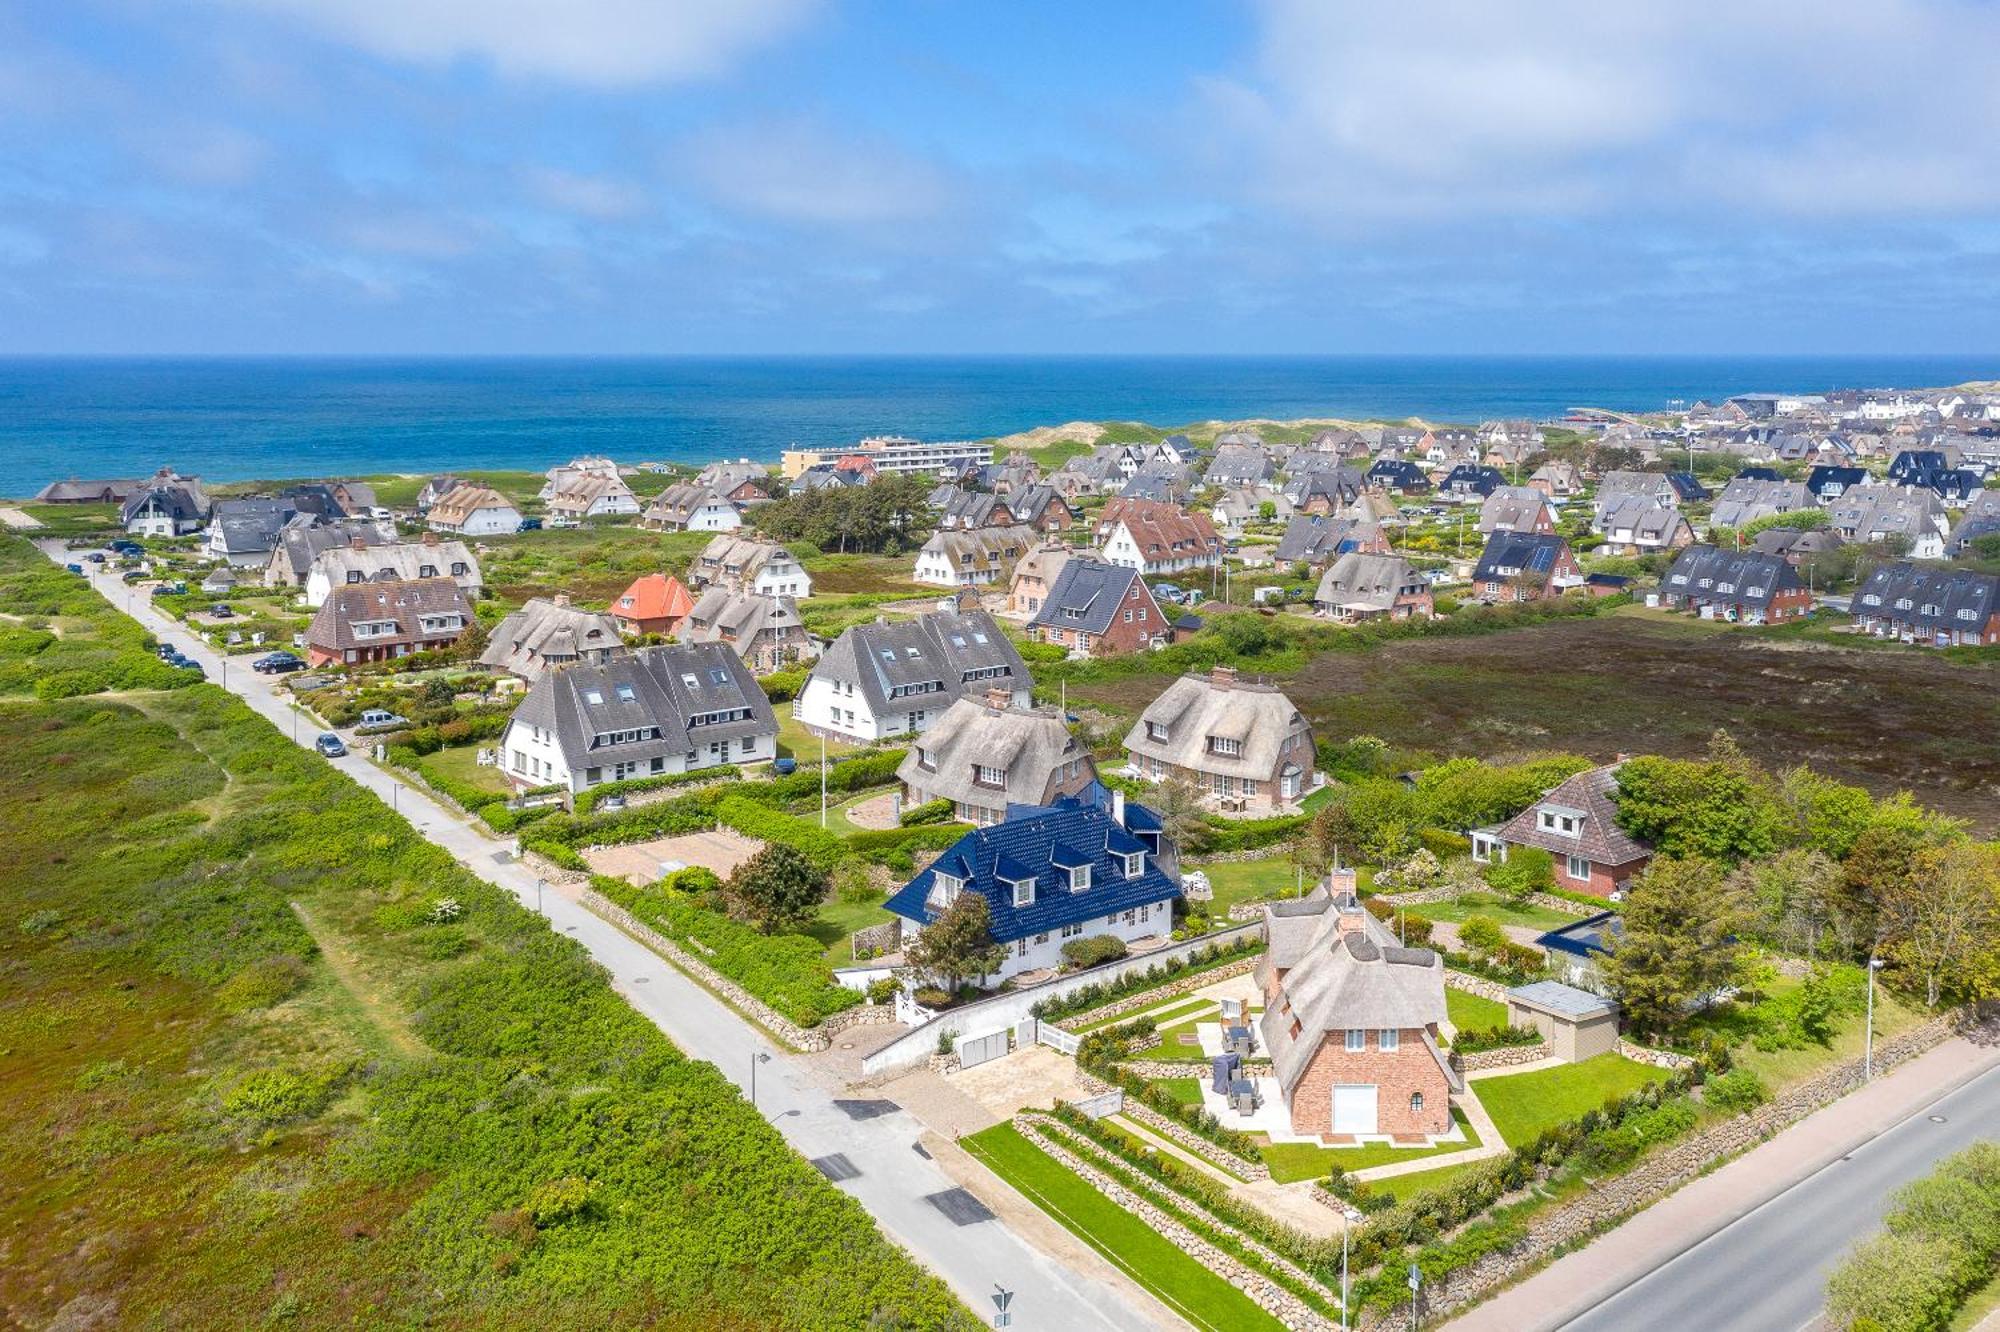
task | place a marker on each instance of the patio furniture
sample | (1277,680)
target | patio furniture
(1223,1073)
(1243,1095)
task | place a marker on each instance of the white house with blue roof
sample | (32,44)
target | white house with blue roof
(1053,873)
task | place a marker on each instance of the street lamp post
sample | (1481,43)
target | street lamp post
(822,779)
(759,1058)
(1868,1041)
(539,885)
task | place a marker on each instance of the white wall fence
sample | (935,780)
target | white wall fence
(984,1016)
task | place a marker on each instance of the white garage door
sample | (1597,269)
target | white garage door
(1354,1108)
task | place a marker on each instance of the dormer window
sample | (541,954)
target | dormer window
(993,777)
(925,761)
(945,889)
(1135,864)
(1156,731)
(1024,892)
(1079,878)
(1222,744)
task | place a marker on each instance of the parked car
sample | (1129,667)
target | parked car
(170,590)
(277,663)
(531,524)
(166,650)
(131,548)
(382,717)
(134,576)
(220,610)
(74,568)
(784,767)
(95,557)
(329,745)
(1168,592)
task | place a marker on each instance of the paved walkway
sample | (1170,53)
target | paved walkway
(1491,1144)
(895,1179)
(1607,1285)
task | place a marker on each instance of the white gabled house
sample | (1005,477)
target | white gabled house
(895,678)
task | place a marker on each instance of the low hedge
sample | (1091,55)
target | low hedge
(1942,1243)
(1086,997)
(694,812)
(824,849)
(931,811)
(1474,1039)
(1221,834)
(587,801)
(786,971)
(503,819)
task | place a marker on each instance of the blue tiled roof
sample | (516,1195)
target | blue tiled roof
(1585,936)
(1040,842)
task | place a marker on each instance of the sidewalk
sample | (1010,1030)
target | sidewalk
(1583,1279)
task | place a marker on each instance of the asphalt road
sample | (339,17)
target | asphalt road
(891,1176)
(1767,1271)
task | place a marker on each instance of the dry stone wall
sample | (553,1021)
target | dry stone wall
(1179,1134)
(1171,990)
(1504,1056)
(1479,985)
(1068,1149)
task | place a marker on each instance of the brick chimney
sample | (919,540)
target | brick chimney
(562,599)
(430,538)
(357,542)
(997,697)
(1223,677)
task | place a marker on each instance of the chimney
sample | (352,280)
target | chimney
(1223,677)
(357,542)
(1118,808)
(997,697)
(430,538)
(562,599)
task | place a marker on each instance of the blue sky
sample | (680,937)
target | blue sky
(499,176)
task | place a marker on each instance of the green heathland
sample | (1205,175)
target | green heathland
(271,1056)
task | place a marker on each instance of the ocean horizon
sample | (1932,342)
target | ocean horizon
(248,418)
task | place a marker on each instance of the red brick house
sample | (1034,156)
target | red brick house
(1577,824)
(1099,609)
(366,622)
(1351,1023)
(1525,566)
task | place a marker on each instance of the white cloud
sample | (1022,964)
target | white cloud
(208,155)
(409,234)
(1451,108)
(604,43)
(799,171)
(600,198)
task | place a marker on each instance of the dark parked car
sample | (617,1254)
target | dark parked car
(74,568)
(531,524)
(784,767)
(95,557)
(220,610)
(276,663)
(329,745)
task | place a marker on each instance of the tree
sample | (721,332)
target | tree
(1721,809)
(1178,803)
(1526,870)
(1482,934)
(1798,900)
(776,888)
(1337,832)
(1941,920)
(956,946)
(1677,943)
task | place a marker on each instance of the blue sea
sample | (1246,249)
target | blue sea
(239,419)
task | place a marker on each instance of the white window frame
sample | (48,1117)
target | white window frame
(1357,1040)
(1570,867)
(1389,1038)
(1079,879)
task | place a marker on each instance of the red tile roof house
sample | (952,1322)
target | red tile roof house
(1577,823)
(654,604)
(382,621)
(1351,1024)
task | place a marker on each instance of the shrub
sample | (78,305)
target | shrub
(882,991)
(931,811)
(782,686)
(272,1096)
(1525,871)
(1474,1039)
(263,983)
(1734,1092)
(1482,934)
(558,1200)
(1895,1283)
(1092,950)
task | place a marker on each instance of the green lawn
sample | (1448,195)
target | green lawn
(796,741)
(1523,1104)
(838,921)
(1204,1299)
(1293,1161)
(1185,1090)
(1405,1187)
(462,763)
(1176,1009)
(1498,908)
(1782,1068)
(1171,1046)
(1470,1011)
(1248,881)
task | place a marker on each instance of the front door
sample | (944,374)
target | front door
(1354,1108)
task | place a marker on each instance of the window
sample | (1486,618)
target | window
(944,889)
(1416,1103)
(1155,731)
(593,697)
(625,694)
(1079,878)
(1072,931)
(1578,867)
(1357,1040)
(993,777)
(687,678)
(716,675)
(1389,1038)
(1128,617)
(1135,864)
(1222,744)
(1024,892)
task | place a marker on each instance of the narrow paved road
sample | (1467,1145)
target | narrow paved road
(1766,1272)
(892,1177)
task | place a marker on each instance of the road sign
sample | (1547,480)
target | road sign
(1001,1299)
(1416,1277)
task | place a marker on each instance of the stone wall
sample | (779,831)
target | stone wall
(1426,896)
(1479,985)
(1180,1134)
(1659,1175)
(1153,1070)
(1173,989)
(780,1026)
(884,938)
(1646,1054)
(1504,1056)
(1071,1149)
(543,868)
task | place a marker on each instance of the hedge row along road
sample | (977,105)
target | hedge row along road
(894,1182)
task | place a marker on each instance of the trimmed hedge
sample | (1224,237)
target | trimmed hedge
(587,801)
(823,848)
(1086,997)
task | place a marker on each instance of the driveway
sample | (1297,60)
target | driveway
(886,1168)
